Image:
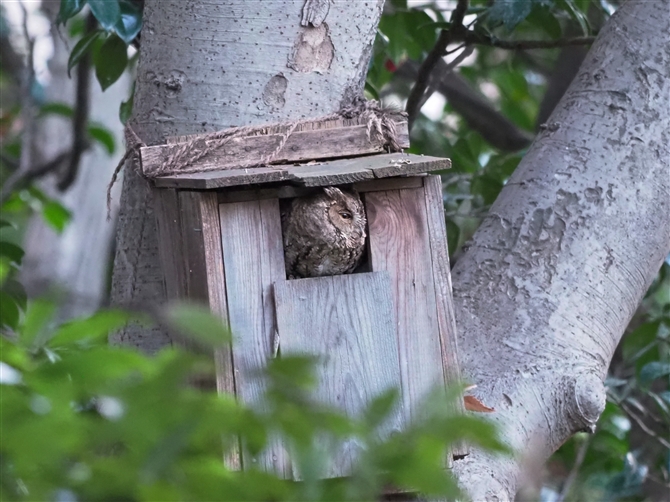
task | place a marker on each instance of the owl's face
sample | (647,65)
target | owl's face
(345,212)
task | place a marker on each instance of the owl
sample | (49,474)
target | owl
(324,234)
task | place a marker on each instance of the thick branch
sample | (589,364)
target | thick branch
(555,272)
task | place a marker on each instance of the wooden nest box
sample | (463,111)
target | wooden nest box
(391,326)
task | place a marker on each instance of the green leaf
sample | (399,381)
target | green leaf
(542,18)
(487,187)
(9,311)
(130,22)
(82,48)
(92,328)
(653,370)
(510,12)
(110,61)
(197,323)
(56,216)
(69,8)
(54,108)
(126,108)
(38,314)
(11,251)
(16,290)
(107,12)
(569,7)
(380,408)
(103,136)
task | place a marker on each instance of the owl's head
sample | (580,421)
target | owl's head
(345,211)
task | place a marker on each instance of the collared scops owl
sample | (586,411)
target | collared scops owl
(324,234)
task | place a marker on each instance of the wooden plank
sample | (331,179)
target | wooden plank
(253,258)
(223,356)
(437,235)
(388,184)
(290,192)
(221,179)
(340,172)
(315,140)
(348,322)
(325,173)
(399,244)
(166,208)
(357,169)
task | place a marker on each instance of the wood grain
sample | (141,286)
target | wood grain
(290,191)
(348,322)
(326,140)
(437,232)
(325,173)
(399,244)
(253,258)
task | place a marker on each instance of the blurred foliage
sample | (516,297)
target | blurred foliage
(85,421)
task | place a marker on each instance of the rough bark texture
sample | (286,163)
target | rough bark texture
(75,264)
(554,274)
(205,66)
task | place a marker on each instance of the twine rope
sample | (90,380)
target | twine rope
(380,129)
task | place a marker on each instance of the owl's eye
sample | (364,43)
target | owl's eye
(345,215)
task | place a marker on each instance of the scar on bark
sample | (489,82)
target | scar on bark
(312,51)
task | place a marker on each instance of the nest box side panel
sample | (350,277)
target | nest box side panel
(348,322)
(443,290)
(399,244)
(253,258)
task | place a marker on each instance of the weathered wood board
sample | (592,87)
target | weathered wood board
(253,258)
(399,244)
(326,173)
(348,322)
(446,319)
(315,140)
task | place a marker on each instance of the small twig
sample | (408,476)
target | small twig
(443,71)
(472,37)
(434,56)
(644,426)
(572,477)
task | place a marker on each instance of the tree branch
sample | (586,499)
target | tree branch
(472,37)
(434,56)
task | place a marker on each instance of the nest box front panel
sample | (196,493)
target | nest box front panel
(347,321)
(253,258)
(399,245)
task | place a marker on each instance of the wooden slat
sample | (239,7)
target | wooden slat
(399,244)
(289,191)
(327,140)
(325,173)
(223,357)
(166,208)
(364,168)
(437,231)
(253,258)
(348,322)
(388,184)
(222,179)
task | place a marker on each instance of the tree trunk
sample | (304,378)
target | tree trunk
(75,264)
(206,66)
(555,272)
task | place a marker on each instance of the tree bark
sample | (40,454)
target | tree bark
(206,66)
(556,270)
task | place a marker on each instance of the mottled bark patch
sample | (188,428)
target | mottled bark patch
(312,51)
(274,92)
(171,84)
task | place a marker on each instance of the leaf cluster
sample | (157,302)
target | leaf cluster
(85,421)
